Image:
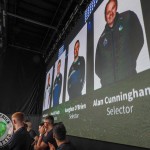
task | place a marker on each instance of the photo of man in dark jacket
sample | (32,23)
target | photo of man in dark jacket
(118,46)
(57,85)
(76,74)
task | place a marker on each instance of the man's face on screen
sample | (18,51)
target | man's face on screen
(76,50)
(49,79)
(58,67)
(110,13)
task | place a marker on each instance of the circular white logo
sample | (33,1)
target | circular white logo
(6,130)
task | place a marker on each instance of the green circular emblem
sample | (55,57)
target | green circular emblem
(6,130)
(2,128)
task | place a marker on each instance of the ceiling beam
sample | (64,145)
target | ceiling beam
(51,24)
(64,14)
(31,21)
(24,48)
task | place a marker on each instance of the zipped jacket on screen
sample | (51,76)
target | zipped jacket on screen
(118,48)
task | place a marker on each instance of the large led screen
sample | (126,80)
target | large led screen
(104,90)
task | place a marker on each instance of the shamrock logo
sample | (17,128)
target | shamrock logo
(2,128)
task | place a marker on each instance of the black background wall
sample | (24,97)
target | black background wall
(22,76)
(22,79)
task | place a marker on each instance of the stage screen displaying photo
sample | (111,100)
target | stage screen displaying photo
(123,52)
(76,73)
(101,83)
(48,90)
(58,80)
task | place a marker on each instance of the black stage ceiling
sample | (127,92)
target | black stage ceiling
(36,25)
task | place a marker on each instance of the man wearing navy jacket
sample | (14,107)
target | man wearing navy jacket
(76,74)
(119,45)
(57,85)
